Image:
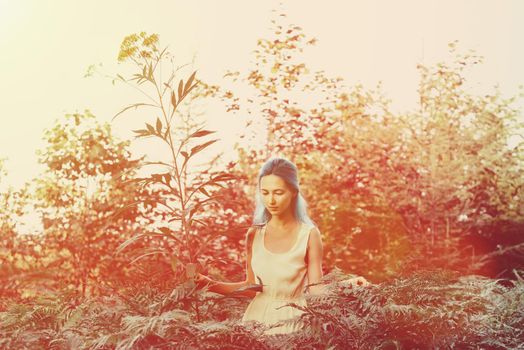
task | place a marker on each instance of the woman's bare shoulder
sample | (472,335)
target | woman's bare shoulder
(252,230)
(315,236)
(313,230)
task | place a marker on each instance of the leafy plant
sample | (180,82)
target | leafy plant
(185,194)
(431,310)
(86,203)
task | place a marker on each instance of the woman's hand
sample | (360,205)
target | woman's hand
(202,280)
(356,281)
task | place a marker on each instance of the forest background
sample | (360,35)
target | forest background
(100,248)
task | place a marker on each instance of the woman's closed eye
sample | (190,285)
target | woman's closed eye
(279,193)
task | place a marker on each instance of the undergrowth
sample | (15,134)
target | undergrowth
(429,310)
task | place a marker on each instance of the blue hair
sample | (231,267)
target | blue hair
(288,172)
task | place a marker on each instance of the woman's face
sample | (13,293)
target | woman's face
(276,195)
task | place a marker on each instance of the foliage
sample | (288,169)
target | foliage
(306,116)
(86,203)
(431,309)
(391,192)
(447,168)
(17,251)
(186,193)
(401,197)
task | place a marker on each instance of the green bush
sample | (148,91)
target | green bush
(428,310)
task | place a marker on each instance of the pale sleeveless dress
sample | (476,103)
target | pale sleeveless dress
(284,276)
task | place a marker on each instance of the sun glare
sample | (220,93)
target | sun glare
(10,14)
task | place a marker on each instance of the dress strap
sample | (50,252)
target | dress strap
(304,236)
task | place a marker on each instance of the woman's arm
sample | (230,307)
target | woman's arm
(314,269)
(225,288)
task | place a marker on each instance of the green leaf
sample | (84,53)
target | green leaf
(158,125)
(201,133)
(129,241)
(200,222)
(173,99)
(167,178)
(147,133)
(150,73)
(188,83)
(170,234)
(203,190)
(166,230)
(189,90)
(194,209)
(157,177)
(135,105)
(186,158)
(154,252)
(126,207)
(151,129)
(180,89)
(224,177)
(211,183)
(199,148)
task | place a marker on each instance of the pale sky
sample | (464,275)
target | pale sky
(47,45)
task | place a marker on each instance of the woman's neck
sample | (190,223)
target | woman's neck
(283,221)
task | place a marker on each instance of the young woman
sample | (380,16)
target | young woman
(283,250)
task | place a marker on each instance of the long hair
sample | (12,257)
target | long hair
(288,172)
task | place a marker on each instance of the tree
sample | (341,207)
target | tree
(86,202)
(306,116)
(381,183)
(446,168)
